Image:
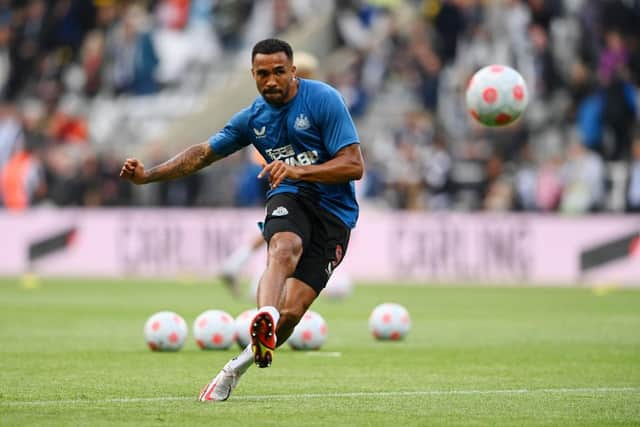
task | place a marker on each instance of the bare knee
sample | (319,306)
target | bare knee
(285,250)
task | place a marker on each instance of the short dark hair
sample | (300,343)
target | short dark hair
(269,46)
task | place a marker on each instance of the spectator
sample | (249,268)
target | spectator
(10,133)
(88,182)
(449,22)
(583,180)
(619,105)
(614,57)
(229,17)
(549,184)
(525,181)
(133,55)
(114,191)
(28,40)
(428,67)
(547,77)
(22,182)
(618,114)
(543,12)
(67,24)
(437,175)
(92,61)
(581,86)
(5,57)
(633,186)
(173,14)
(67,124)
(207,45)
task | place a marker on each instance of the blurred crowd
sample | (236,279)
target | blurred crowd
(74,72)
(78,76)
(576,150)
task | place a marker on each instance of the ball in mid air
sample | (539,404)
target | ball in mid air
(496,95)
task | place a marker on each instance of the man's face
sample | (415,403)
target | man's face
(274,75)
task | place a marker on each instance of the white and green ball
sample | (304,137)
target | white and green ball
(242,325)
(496,95)
(389,321)
(214,330)
(165,331)
(310,333)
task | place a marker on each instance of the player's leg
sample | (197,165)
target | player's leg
(221,386)
(322,255)
(287,230)
(285,250)
(296,300)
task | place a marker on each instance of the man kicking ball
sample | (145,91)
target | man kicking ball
(305,133)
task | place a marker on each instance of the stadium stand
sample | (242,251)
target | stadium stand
(85,83)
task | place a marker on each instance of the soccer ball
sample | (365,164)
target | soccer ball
(214,330)
(339,286)
(389,321)
(310,333)
(165,331)
(241,327)
(496,95)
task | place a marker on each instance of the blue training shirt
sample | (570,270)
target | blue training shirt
(310,129)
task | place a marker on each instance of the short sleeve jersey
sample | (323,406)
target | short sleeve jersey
(310,129)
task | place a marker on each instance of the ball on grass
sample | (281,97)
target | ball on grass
(310,333)
(389,321)
(214,330)
(241,327)
(165,331)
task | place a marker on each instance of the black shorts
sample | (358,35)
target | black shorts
(324,236)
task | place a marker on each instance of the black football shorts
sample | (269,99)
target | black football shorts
(324,236)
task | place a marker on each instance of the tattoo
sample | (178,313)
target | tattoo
(183,164)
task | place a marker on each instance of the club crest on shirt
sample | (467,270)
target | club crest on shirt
(302,122)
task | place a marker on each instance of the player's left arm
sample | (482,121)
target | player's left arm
(347,165)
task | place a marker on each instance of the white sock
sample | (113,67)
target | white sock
(241,362)
(237,259)
(272,311)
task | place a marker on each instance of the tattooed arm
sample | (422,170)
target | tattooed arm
(183,164)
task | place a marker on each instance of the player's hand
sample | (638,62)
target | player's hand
(278,171)
(133,170)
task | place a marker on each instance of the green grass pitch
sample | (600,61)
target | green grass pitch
(72,353)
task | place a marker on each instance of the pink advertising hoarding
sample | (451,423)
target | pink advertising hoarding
(386,246)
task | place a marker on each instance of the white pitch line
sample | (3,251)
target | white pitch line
(324,354)
(597,390)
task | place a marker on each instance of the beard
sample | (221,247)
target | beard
(275,96)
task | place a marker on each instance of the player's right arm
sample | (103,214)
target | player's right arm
(183,164)
(231,138)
